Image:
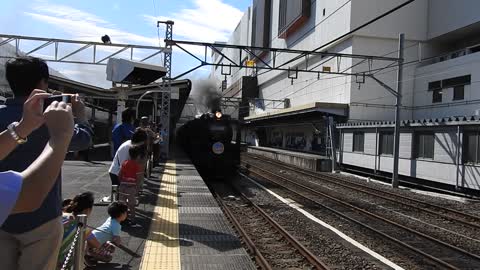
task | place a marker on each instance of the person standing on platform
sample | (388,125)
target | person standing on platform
(25,191)
(124,131)
(139,137)
(32,240)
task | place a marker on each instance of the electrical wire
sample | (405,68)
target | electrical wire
(405,64)
(346,34)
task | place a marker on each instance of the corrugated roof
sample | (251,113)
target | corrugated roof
(443,121)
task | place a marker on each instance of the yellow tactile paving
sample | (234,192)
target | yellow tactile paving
(162,249)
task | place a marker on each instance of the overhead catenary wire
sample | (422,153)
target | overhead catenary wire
(417,92)
(406,64)
(376,71)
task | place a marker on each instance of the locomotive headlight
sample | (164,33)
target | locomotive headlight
(218,115)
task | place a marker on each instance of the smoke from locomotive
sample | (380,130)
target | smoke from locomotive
(206,96)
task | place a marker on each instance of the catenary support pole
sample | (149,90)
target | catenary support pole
(398,104)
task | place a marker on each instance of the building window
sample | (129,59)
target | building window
(386,143)
(457,83)
(471,147)
(292,15)
(261,23)
(437,96)
(424,145)
(358,141)
(459,92)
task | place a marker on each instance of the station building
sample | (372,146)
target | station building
(439,103)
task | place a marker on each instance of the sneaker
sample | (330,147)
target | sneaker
(89,261)
(106,199)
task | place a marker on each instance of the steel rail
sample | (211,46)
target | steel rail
(259,258)
(310,257)
(294,242)
(426,255)
(374,192)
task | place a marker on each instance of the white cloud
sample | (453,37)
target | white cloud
(66,12)
(209,20)
(83,25)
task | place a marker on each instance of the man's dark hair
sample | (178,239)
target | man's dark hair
(24,73)
(116,209)
(139,136)
(128,115)
(137,150)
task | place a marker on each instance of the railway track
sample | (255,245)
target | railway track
(440,211)
(442,254)
(267,241)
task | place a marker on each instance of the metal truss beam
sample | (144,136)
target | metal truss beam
(61,45)
(293,51)
(255,53)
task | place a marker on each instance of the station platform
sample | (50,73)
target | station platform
(302,160)
(182,225)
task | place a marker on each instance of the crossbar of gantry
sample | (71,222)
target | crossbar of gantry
(257,54)
(61,45)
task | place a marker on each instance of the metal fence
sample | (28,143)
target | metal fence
(75,256)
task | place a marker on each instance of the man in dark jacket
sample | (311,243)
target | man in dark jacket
(32,240)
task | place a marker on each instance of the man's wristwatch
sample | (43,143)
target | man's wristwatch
(13,133)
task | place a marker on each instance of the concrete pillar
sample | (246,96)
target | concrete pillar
(122,96)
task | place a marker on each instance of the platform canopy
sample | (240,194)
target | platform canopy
(310,110)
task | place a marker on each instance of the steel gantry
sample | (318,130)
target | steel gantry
(301,62)
(167,82)
(257,55)
(63,51)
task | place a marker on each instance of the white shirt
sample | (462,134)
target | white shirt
(121,155)
(10,187)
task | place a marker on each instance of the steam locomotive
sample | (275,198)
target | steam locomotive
(208,141)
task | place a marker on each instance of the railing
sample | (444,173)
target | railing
(453,55)
(76,251)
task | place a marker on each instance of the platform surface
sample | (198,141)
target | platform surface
(287,152)
(182,224)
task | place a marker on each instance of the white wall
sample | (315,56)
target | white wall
(419,21)
(317,30)
(411,19)
(446,15)
(371,93)
(465,65)
(307,88)
(442,168)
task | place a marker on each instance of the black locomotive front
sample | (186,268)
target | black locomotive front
(208,142)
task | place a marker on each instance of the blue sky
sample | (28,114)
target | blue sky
(125,21)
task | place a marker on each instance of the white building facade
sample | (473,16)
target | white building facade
(440,75)
(440,44)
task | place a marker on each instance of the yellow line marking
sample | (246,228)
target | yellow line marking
(162,249)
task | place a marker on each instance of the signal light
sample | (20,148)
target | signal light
(218,115)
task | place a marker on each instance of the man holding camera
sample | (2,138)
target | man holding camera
(32,240)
